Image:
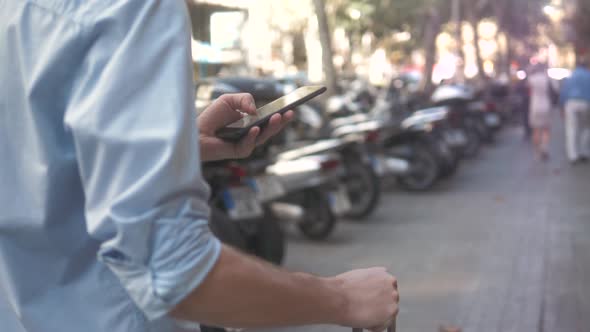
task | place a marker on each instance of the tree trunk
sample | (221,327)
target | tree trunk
(500,7)
(432,29)
(509,55)
(478,60)
(474,18)
(326,41)
(504,57)
(457,20)
(500,57)
(348,67)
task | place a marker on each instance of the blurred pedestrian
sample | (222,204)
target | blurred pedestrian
(103,209)
(522,94)
(540,109)
(575,101)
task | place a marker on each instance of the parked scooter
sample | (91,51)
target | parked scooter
(430,125)
(405,147)
(240,215)
(446,142)
(398,152)
(466,113)
(314,197)
(356,97)
(358,178)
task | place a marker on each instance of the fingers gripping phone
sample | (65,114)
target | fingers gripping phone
(237,130)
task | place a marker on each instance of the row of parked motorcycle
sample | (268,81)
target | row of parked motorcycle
(330,162)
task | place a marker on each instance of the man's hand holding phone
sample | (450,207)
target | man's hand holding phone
(237,130)
(228,109)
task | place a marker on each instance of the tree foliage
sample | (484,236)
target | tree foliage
(518,18)
(520,21)
(382,17)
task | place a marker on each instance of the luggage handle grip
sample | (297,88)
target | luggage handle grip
(391,328)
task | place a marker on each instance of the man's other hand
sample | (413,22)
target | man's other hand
(372,298)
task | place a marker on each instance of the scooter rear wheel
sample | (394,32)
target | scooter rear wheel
(486,134)
(363,188)
(424,171)
(473,143)
(227,230)
(319,220)
(269,242)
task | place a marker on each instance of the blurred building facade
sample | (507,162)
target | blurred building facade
(255,37)
(269,37)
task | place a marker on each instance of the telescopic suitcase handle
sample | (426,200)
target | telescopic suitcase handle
(391,328)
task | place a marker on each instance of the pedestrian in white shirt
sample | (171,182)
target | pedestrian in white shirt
(540,110)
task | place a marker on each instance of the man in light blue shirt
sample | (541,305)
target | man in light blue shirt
(575,101)
(103,218)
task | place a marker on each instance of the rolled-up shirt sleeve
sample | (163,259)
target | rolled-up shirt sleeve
(133,125)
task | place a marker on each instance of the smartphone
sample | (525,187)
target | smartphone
(237,130)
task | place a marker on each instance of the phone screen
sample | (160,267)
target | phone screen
(275,106)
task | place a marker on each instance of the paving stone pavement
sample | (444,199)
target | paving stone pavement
(502,247)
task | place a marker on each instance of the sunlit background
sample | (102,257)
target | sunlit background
(380,39)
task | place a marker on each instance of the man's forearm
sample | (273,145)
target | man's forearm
(242,291)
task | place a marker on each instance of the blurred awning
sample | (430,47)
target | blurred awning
(201,10)
(205,53)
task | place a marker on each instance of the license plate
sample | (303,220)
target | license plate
(242,203)
(492,120)
(455,137)
(268,187)
(339,201)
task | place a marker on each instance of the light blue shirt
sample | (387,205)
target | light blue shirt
(103,210)
(576,87)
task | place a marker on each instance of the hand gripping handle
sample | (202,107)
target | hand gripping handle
(391,328)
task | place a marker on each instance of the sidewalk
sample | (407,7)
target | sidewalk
(505,246)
